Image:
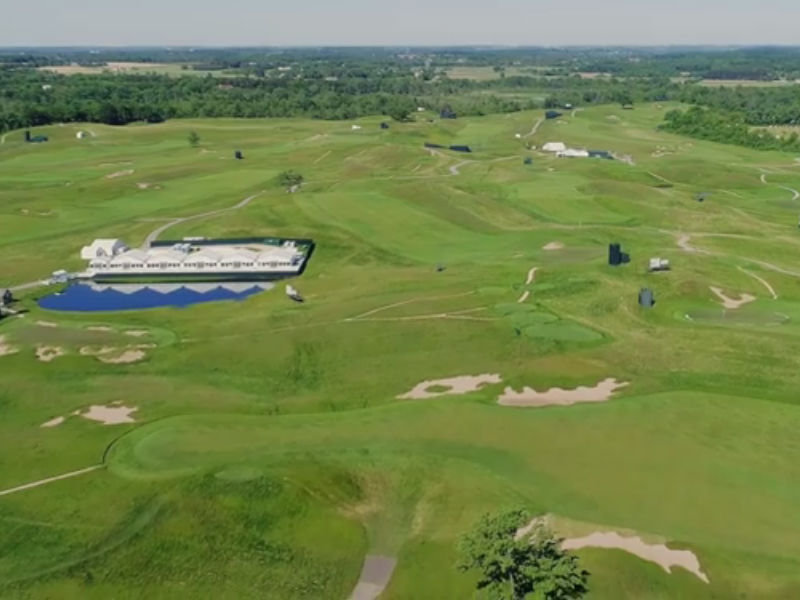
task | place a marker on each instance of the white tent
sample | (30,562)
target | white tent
(573,153)
(103,248)
(554,147)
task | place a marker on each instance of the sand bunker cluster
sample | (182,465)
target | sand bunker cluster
(528,397)
(115,414)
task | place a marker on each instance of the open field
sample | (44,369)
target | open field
(264,449)
(174,69)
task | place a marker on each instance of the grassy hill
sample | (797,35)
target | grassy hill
(270,452)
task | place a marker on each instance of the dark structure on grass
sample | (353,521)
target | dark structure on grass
(431,145)
(238,155)
(616,256)
(646,298)
(6,298)
(600,154)
(35,139)
(528,160)
(460,149)
(447,113)
(384,125)
(701,197)
(552,114)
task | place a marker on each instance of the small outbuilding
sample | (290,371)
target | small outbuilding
(384,125)
(447,113)
(6,297)
(552,114)
(238,155)
(572,153)
(616,256)
(293,294)
(460,149)
(527,161)
(646,298)
(658,264)
(601,154)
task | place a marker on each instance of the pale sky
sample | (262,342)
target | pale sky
(399,22)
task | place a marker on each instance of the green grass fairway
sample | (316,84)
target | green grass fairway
(270,452)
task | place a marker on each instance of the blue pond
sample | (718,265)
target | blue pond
(93,297)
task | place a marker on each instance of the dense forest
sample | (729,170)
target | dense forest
(343,83)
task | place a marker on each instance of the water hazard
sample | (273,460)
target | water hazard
(94,297)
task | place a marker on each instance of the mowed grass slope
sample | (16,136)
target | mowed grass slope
(271,453)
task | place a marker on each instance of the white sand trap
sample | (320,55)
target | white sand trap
(94,351)
(552,246)
(524,297)
(143,185)
(53,422)
(46,324)
(127,357)
(561,397)
(48,353)
(124,173)
(110,415)
(732,303)
(455,385)
(531,276)
(99,328)
(137,332)
(5,348)
(656,553)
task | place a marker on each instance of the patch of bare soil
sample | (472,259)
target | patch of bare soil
(48,353)
(659,554)
(561,397)
(137,332)
(110,415)
(53,422)
(5,348)
(99,328)
(552,246)
(453,385)
(143,185)
(531,275)
(124,173)
(732,303)
(46,324)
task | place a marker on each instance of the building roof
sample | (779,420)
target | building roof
(554,147)
(103,248)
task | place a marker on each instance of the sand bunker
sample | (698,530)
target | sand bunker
(120,174)
(93,351)
(137,332)
(110,415)
(656,553)
(561,397)
(142,185)
(99,328)
(531,276)
(454,385)
(53,422)
(48,353)
(5,348)
(127,357)
(553,246)
(730,302)
(46,324)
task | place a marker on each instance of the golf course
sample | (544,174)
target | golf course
(464,347)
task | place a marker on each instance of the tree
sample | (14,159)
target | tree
(514,562)
(194,139)
(291,180)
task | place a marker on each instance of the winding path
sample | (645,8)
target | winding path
(794,192)
(763,282)
(534,129)
(153,235)
(41,482)
(454,170)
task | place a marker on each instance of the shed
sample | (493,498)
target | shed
(431,145)
(528,160)
(7,297)
(601,154)
(460,149)
(554,147)
(447,113)
(552,114)
(658,264)
(616,256)
(384,125)
(238,155)
(646,298)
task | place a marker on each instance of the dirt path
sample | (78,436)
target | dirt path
(153,235)
(375,576)
(41,482)
(534,129)
(26,286)
(659,177)
(454,170)
(531,275)
(732,303)
(794,192)
(410,301)
(763,282)
(323,157)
